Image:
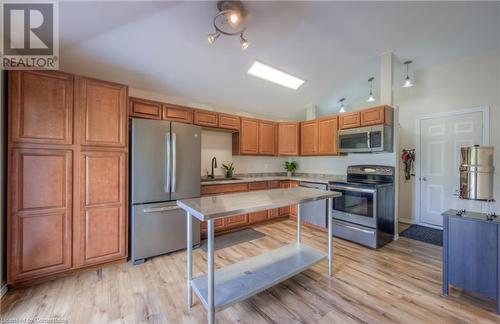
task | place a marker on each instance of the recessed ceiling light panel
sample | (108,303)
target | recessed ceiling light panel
(271,74)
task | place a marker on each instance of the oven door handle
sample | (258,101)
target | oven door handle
(335,187)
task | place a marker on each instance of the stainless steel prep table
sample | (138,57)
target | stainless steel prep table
(229,285)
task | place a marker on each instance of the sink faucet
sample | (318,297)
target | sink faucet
(214,165)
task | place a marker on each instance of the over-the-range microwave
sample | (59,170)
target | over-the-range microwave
(366,139)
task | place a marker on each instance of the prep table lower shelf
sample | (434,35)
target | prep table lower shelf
(246,278)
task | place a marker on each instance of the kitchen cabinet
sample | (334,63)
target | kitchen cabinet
(275,212)
(471,254)
(309,137)
(40,217)
(239,221)
(67,189)
(223,188)
(266,138)
(328,136)
(144,108)
(350,120)
(177,113)
(41,107)
(103,208)
(288,139)
(102,108)
(246,141)
(205,118)
(256,137)
(284,211)
(376,116)
(259,216)
(230,122)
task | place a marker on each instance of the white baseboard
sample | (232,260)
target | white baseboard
(3,290)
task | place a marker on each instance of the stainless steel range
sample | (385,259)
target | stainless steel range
(365,212)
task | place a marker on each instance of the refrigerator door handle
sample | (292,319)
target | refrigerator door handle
(167,163)
(174,160)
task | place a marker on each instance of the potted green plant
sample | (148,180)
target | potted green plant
(229,169)
(290,167)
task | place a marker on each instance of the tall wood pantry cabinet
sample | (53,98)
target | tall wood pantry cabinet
(67,174)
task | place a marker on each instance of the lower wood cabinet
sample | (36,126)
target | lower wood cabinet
(239,221)
(40,222)
(102,223)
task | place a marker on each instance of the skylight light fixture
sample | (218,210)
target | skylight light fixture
(342,108)
(371,97)
(271,74)
(408,82)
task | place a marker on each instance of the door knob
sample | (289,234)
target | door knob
(424,179)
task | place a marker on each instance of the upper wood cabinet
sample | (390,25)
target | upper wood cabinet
(231,122)
(350,120)
(376,116)
(178,113)
(103,221)
(309,137)
(40,219)
(256,137)
(102,107)
(266,138)
(288,138)
(144,108)
(328,136)
(41,107)
(248,138)
(205,118)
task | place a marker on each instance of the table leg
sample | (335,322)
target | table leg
(189,253)
(330,236)
(210,251)
(298,223)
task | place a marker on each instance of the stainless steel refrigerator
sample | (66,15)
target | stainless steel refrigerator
(165,167)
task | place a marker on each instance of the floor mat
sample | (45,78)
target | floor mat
(233,238)
(423,234)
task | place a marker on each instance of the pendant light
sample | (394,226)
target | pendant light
(408,82)
(342,108)
(371,97)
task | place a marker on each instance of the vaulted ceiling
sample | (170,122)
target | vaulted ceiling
(334,46)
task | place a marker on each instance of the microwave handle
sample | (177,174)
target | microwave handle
(368,134)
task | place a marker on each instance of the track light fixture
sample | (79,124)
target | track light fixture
(408,82)
(229,22)
(371,97)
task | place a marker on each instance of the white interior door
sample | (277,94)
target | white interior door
(440,141)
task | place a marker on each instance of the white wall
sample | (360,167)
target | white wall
(219,144)
(470,82)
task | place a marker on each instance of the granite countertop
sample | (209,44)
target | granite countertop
(472,216)
(211,207)
(319,178)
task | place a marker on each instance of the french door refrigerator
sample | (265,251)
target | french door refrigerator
(165,167)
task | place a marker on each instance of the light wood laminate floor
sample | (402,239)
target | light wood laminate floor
(400,283)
